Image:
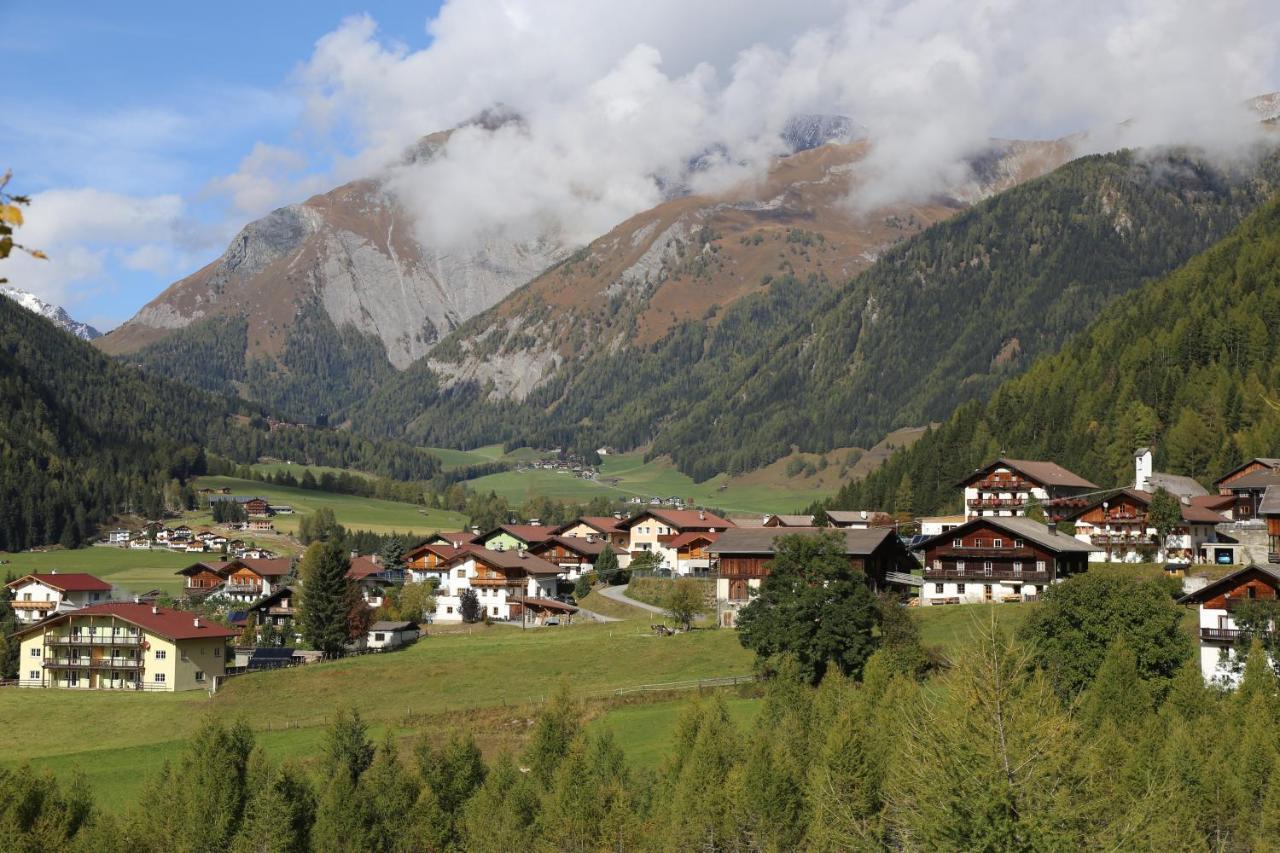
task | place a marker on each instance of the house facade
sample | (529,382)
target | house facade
(1217,631)
(742,556)
(603,527)
(1004,488)
(1245,498)
(39,596)
(123,646)
(654,530)
(428,561)
(575,554)
(242,580)
(999,558)
(500,579)
(1119,526)
(513,537)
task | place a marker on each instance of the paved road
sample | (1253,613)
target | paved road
(619,594)
(598,617)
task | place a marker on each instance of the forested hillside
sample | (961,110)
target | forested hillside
(1189,364)
(83,437)
(940,319)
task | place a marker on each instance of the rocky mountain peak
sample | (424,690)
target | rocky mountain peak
(55,313)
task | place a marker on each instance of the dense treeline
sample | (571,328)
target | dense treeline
(939,320)
(322,369)
(995,761)
(1189,364)
(84,438)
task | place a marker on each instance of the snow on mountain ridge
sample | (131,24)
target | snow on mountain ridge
(54,313)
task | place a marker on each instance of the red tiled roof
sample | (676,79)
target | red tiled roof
(363,567)
(450,536)
(274,567)
(1214,502)
(682,539)
(603,523)
(577,544)
(173,624)
(530,532)
(681,519)
(523,560)
(68,582)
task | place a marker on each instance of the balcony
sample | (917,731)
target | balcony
(1118,539)
(996,503)
(93,639)
(997,485)
(242,588)
(33,605)
(92,663)
(980,575)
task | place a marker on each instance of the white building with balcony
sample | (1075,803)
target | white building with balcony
(1219,603)
(40,596)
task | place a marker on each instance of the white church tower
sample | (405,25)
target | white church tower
(1142,464)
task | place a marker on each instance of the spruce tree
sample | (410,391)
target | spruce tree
(389,792)
(697,806)
(347,749)
(501,814)
(278,815)
(606,566)
(326,597)
(554,730)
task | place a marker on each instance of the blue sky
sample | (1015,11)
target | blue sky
(148,133)
(155,100)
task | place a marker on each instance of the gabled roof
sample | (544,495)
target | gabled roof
(690,536)
(66,582)
(789,521)
(526,533)
(854,516)
(680,519)
(603,523)
(440,549)
(523,560)
(1217,503)
(274,567)
(272,599)
(1226,582)
(760,540)
(1266,461)
(364,566)
(1270,504)
(392,626)
(576,544)
(218,567)
(172,624)
(1039,471)
(1256,480)
(1176,484)
(448,537)
(1192,513)
(1020,528)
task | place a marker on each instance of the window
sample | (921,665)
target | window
(960,589)
(937,589)
(1017,568)
(997,543)
(960,567)
(199,676)
(461,573)
(986,567)
(26,596)
(35,652)
(161,654)
(160,678)
(986,591)
(378,638)
(34,674)
(1039,565)
(1017,543)
(448,610)
(217,653)
(937,565)
(978,543)
(495,611)
(957,543)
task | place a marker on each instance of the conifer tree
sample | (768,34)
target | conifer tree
(278,815)
(1118,694)
(326,597)
(389,793)
(452,773)
(500,816)
(698,804)
(607,566)
(555,729)
(347,749)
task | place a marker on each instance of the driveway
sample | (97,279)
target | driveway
(619,594)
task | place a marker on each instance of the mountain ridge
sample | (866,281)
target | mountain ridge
(56,314)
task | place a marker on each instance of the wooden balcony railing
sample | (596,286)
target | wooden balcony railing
(33,605)
(980,575)
(92,663)
(92,640)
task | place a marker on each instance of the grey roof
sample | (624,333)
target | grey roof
(849,516)
(1175,484)
(1270,501)
(1045,473)
(392,626)
(1022,528)
(1255,480)
(1268,461)
(760,540)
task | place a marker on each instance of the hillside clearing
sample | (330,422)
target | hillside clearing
(136,571)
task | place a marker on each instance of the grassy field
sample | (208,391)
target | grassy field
(952,627)
(137,571)
(443,680)
(644,731)
(351,511)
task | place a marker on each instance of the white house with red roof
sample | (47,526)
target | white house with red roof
(39,596)
(659,530)
(123,646)
(506,583)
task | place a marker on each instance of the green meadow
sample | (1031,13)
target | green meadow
(137,571)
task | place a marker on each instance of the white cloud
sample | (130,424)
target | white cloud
(615,96)
(267,178)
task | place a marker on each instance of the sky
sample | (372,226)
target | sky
(149,133)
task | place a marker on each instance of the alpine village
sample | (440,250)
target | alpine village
(520,426)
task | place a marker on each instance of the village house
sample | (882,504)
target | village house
(1119,526)
(371,578)
(1246,491)
(385,635)
(428,561)
(1217,603)
(505,582)
(119,536)
(1145,479)
(512,537)
(39,596)
(654,530)
(787,521)
(742,556)
(123,646)
(859,519)
(606,528)
(575,554)
(242,579)
(253,505)
(1005,487)
(277,610)
(999,558)
(932,525)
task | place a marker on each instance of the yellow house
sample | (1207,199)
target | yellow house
(123,646)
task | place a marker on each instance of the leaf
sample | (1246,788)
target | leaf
(36,253)
(11,213)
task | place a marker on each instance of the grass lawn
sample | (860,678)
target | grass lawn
(627,475)
(443,677)
(351,511)
(644,732)
(951,627)
(608,607)
(136,571)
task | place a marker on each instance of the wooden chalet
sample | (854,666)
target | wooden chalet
(742,556)
(1217,602)
(603,527)
(577,554)
(1247,490)
(1006,486)
(1117,524)
(500,579)
(999,558)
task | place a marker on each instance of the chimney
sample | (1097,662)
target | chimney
(196,622)
(1051,528)
(702,516)
(155,611)
(521,553)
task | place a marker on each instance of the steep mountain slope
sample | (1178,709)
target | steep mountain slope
(83,437)
(53,313)
(1189,364)
(630,343)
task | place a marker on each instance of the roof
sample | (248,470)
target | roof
(680,519)
(853,516)
(273,567)
(440,549)
(449,537)
(529,563)
(577,544)
(548,604)
(1045,473)
(1256,480)
(1214,502)
(271,600)
(363,567)
(603,523)
(760,540)
(1270,501)
(1022,528)
(1211,589)
(68,582)
(1192,512)
(1176,484)
(528,533)
(789,521)
(747,520)
(1266,461)
(393,626)
(168,623)
(690,536)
